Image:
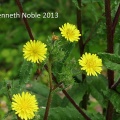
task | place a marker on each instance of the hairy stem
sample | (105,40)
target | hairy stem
(50,92)
(25,20)
(110,45)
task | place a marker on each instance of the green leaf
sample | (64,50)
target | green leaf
(25,71)
(67,47)
(110,57)
(60,113)
(90,1)
(41,91)
(56,100)
(97,85)
(97,95)
(117,48)
(15,87)
(111,61)
(96,116)
(114,98)
(3,86)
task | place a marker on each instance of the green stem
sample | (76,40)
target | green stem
(48,105)
(50,73)
(50,92)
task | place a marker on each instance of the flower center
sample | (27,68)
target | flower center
(34,52)
(90,64)
(24,107)
(69,32)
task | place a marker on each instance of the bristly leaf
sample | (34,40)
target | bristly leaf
(25,71)
(68,49)
(62,68)
(111,61)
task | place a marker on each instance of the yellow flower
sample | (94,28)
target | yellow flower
(34,51)
(24,105)
(70,32)
(91,64)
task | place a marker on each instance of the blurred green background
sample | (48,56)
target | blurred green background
(13,34)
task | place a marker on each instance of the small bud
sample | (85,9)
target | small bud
(55,37)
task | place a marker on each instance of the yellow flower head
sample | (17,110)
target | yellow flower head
(91,64)
(24,105)
(34,51)
(70,32)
